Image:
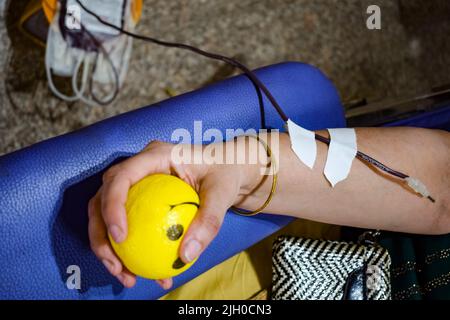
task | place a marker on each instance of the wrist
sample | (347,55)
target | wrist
(252,172)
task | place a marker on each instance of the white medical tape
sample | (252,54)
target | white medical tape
(341,152)
(303,143)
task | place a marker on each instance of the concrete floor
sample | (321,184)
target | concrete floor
(410,55)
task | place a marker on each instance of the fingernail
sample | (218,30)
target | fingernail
(192,250)
(116,233)
(163,284)
(108,265)
(166,285)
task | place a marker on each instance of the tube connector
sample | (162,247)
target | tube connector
(419,187)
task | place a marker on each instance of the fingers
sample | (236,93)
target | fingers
(107,209)
(102,248)
(98,238)
(207,222)
(108,214)
(127,278)
(113,199)
(116,183)
(166,284)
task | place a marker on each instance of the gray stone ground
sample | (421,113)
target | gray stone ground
(409,55)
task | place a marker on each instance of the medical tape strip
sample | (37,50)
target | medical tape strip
(303,143)
(341,152)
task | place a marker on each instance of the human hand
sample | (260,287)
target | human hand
(219,186)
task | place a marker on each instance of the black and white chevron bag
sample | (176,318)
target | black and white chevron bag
(305,269)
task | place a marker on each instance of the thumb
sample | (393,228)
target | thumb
(206,223)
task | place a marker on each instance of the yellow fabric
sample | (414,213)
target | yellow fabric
(49,7)
(247,273)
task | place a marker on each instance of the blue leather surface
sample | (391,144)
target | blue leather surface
(45,188)
(436,119)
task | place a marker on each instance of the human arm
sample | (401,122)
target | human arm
(365,199)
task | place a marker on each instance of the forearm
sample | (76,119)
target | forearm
(367,198)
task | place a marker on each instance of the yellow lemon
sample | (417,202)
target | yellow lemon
(160,209)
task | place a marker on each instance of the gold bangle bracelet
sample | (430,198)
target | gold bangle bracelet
(272,164)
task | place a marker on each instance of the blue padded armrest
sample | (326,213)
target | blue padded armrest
(436,119)
(45,188)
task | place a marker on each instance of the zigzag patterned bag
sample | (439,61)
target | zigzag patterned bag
(305,269)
